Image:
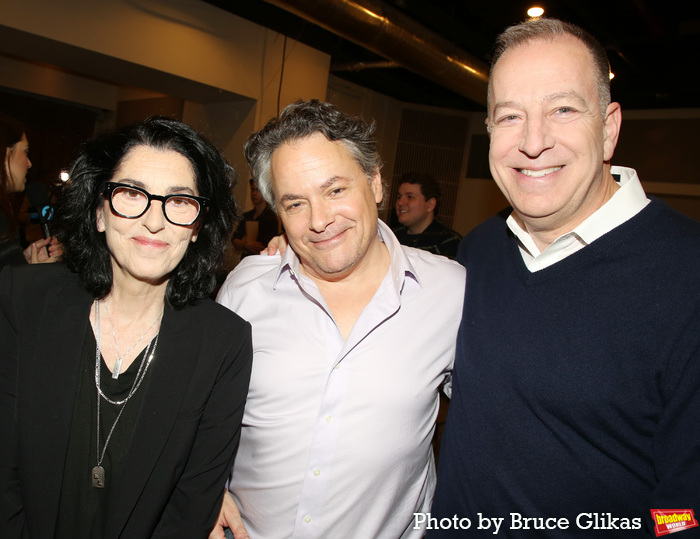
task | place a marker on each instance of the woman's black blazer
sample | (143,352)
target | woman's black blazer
(184,439)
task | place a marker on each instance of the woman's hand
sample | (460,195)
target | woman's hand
(277,243)
(44,251)
(229,517)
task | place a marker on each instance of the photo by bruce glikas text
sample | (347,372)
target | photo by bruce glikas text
(516,521)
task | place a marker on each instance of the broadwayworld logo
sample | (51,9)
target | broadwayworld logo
(672,520)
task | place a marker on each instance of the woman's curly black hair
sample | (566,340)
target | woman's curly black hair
(85,249)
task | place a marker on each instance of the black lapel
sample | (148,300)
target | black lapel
(50,375)
(179,344)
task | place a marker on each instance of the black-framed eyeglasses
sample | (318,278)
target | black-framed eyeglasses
(132,202)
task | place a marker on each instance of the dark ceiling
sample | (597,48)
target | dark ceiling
(653,46)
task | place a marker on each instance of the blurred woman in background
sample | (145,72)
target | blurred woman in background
(122,385)
(13,176)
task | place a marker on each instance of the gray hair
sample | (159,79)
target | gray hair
(300,120)
(551,29)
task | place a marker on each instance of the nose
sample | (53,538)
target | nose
(154,218)
(536,138)
(321,215)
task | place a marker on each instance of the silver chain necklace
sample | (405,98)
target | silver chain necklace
(118,364)
(97,473)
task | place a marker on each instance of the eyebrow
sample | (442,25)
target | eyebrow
(505,105)
(174,189)
(571,94)
(331,181)
(288,197)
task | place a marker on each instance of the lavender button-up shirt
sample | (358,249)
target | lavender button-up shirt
(336,438)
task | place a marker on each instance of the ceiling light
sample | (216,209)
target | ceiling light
(535,12)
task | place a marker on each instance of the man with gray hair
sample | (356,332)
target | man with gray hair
(576,385)
(353,338)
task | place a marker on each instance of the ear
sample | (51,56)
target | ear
(195,230)
(100,218)
(376,184)
(613,121)
(431,204)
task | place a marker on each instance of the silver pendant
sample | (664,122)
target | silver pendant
(117,368)
(98,477)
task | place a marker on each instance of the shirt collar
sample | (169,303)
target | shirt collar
(625,203)
(400,266)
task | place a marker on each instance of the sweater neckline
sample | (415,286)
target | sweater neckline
(589,253)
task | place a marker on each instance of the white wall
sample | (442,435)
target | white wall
(81,50)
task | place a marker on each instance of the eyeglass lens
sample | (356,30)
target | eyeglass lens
(132,203)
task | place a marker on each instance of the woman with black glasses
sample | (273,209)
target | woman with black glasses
(122,385)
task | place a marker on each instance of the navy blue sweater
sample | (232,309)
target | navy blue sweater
(576,388)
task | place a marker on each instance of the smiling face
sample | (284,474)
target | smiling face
(550,143)
(327,205)
(148,248)
(16,165)
(413,211)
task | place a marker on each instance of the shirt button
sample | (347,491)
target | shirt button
(307,519)
(328,418)
(317,472)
